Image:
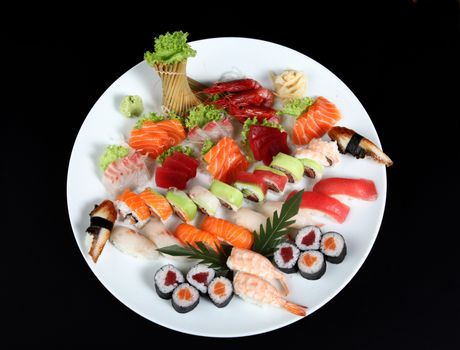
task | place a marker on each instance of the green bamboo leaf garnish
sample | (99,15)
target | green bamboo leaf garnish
(268,238)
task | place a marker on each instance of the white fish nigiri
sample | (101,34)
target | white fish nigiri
(130,242)
(249,219)
(302,219)
(204,199)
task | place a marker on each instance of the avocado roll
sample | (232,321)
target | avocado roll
(252,186)
(183,206)
(205,200)
(290,166)
(229,196)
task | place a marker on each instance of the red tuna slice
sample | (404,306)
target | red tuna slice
(273,181)
(166,178)
(250,178)
(189,161)
(357,188)
(267,142)
(323,203)
(174,164)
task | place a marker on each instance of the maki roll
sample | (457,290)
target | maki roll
(205,200)
(185,298)
(220,291)
(133,209)
(200,276)
(308,238)
(290,166)
(157,203)
(333,247)
(312,265)
(285,257)
(252,186)
(182,205)
(312,168)
(274,179)
(229,196)
(167,278)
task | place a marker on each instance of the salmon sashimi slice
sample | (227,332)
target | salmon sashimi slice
(317,121)
(158,204)
(225,159)
(134,203)
(189,234)
(153,138)
(235,235)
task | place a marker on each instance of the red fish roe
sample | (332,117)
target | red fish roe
(201,277)
(170,278)
(286,254)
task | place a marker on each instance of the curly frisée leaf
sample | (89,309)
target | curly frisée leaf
(207,145)
(151,117)
(170,48)
(183,149)
(201,115)
(111,154)
(296,106)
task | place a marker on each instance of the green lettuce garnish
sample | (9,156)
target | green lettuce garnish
(207,145)
(201,115)
(296,106)
(250,122)
(170,48)
(152,117)
(183,149)
(111,154)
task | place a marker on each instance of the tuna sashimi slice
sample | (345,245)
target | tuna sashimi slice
(267,142)
(166,178)
(174,164)
(189,161)
(356,188)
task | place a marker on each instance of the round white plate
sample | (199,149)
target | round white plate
(130,279)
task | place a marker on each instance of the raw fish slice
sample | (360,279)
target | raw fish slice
(157,203)
(173,164)
(302,219)
(235,235)
(266,142)
(306,153)
(191,162)
(205,200)
(189,234)
(167,178)
(214,130)
(327,148)
(356,188)
(132,208)
(249,219)
(130,242)
(274,179)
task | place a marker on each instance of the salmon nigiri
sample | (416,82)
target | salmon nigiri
(236,235)
(225,160)
(190,234)
(318,120)
(157,203)
(133,209)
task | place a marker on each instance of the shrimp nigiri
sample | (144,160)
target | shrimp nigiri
(245,260)
(257,290)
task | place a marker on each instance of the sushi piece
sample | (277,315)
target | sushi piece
(130,242)
(157,232)
(312,168)
(102,218)
(182,205)
(245,260)
(189,234)
(229,196)
(285,257)
(311,264)
(220,291)
(235,235)
(168,178)
(133,209)
(314,156)
(205,200)
(349,141)
(308,238)
(355,188)
(130,171)
(302,219)
(327,148)
(274,179)
(256,290)
(333,247)
(189,161)
(252,186)
(290,166)
(249,219)
(225,160)
(157,203)
(318,203)
(167,278)
(200,276)
(185,298)
(315,122)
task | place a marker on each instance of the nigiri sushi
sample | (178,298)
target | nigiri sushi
(229,196)
(327,148)
(290,166)
(249,219)
(204,199)
(133,209)
(274,179)
(235,235)
(349,141)
(157,232)
(355,188)
(256,290)
(157,203)
(302,219)
(102,218)
(252,186)
(130,242)
(182,205)
(189,234)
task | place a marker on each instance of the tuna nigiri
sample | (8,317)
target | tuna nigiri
(317,121)
(235,235)
(157,203)
(189,234)
(355,188)
(133,209)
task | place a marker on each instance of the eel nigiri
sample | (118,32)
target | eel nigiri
(349,141)
(236,235)
(102,218)
(356,188)
(316,202)
(318,120)
(189,234)
(133,209)
(130,242)
(256,290)
(157,203)
(245,260)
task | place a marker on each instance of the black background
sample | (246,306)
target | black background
(399,58)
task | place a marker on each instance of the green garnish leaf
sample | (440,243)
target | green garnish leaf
(170,48)
(152,117)
(275,229)
(296,106)
(111,154)
(216,260)
(201,115)
(183,149)
(207,145)
(250,122)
